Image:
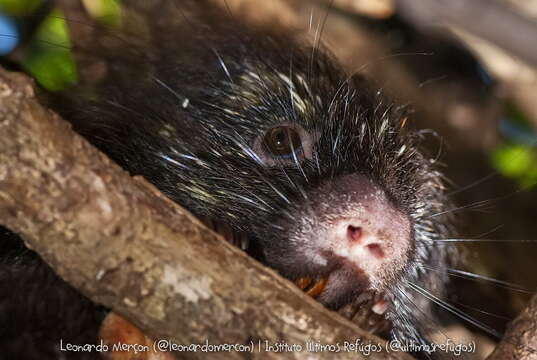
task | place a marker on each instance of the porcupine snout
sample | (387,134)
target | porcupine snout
(354,237)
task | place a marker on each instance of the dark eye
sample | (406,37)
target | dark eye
(284,144)
(282,141)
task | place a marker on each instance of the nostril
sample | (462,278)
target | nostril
(354,233)
(376,250)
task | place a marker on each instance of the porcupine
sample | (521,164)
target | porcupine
(309,169)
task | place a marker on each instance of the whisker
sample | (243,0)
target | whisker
(455,240)
(493,174)
(392,56)
(486,233)
(439,153)
(431,320)
(429,81)
(472,276)
(318,36)
(427,294)
(475,183)
(161,83)
(478,204)
(502,317)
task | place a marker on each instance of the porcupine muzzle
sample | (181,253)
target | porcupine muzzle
(348,239)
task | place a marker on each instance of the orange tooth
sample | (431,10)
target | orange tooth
(302,282)
(317,288)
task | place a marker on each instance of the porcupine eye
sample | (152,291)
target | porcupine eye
(284,145)
(282,142)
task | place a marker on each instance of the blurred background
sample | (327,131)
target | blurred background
(467,68)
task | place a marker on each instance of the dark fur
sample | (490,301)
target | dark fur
(200,155)
(37,308)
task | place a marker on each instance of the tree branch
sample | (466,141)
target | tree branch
(124,245)
(520,339)
(489,19)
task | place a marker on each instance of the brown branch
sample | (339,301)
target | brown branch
(489,19)
(498,32)
(124,245)
(520,340)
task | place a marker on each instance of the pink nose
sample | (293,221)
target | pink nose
(354,230)
(357,236)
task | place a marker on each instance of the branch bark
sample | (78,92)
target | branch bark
(489,19)
(499,32)
(520,339)
(126,246)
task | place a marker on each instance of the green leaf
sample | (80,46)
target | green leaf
(18,7)
(49,59)
(516,161)
(107,12)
